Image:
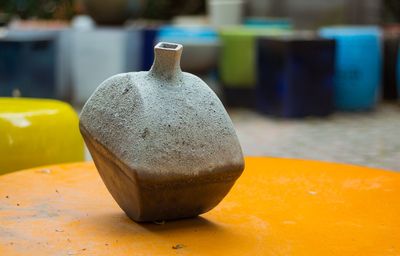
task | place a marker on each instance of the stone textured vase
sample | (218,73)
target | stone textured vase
(162,141)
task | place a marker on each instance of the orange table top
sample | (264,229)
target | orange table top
(278,207)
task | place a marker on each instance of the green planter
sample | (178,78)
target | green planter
(238,55)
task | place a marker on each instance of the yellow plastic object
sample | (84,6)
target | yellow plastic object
(36,132)
(278,207)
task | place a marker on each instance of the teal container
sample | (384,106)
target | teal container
(261,22)
(398,73)
(358,66)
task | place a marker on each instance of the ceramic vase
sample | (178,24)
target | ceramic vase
(162,141)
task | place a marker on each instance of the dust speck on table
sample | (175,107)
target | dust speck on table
(45,171)
(313,193)
(178,246)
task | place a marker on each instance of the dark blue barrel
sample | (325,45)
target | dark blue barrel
(295,76)
(28,67)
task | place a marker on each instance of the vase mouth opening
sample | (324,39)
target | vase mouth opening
(168,46)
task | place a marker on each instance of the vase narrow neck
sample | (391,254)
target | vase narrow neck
(167,58)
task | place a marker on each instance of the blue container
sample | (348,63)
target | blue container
(358,66)
(195,34)
(149,36)
(28,65)
(261,22)
(398,72)
(295,76)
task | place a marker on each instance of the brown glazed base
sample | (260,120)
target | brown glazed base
(165,197)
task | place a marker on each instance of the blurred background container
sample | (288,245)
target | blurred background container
(237,64)
(391,52)
(27,66)
(295,76)
(100,53)
(36,132)
(358,66)
(61,35)
(225,12)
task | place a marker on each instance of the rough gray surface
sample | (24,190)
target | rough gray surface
(162,141)
(154,126)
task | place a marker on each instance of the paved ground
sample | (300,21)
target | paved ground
(367,138)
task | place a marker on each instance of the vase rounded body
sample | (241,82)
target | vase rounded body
(162,141)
